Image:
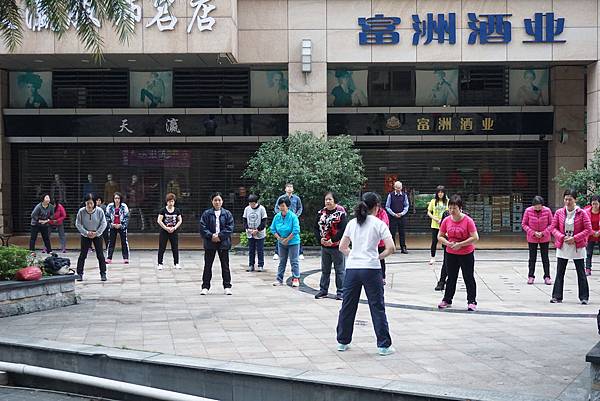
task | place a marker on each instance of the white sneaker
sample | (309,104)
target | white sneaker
(275,257)
(228,291)
(159,267)
(432,260)
(277,283)
(177,266)
(301,257)
(204,291)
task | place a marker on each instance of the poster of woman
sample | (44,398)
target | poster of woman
(347,88)
(437,88)
(528,87)
(31,90)
(269,88)
(151,89)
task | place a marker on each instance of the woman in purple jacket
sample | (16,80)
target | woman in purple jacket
(537,220)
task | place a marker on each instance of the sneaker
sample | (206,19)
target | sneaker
(126,261)
(404,250)
(472,307)
(339,297)
(277,283)
(584,302)
(79,277)
(343,347)
(108,261)
(432,260)
(228,291)
(204,291)
(177,266)
(385,351)
(250,269)
(548,281)
(275,257)
(588,271)
(301,257)
(159,267)
(260,269)
(321,294)
(440,285)
(295,282)
(530,280)
(555,301)
(103,277)
(444,305)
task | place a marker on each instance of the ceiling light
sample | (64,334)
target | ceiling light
(38,61)
(178,60)
(85,60)
(131,60)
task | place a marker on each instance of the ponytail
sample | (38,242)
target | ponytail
(369,201)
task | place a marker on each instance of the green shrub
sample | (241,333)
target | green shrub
(12,259)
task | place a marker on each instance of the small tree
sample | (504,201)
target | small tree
(586,181)
(314,165)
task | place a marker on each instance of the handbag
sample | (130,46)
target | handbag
(30,273)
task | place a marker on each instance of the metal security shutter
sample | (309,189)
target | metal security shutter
(483,86)
(211,88)
(91,89)
(479,172)
(199,170)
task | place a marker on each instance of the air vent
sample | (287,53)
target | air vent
(211,88)
(484,86)
(91,89)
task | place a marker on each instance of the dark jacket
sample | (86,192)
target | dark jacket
(208,228)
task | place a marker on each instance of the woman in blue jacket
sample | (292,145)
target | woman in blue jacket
(286,228)
(216,227)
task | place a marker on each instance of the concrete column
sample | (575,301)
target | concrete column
(593,111)
(307,92)
(568,98)
(5,172)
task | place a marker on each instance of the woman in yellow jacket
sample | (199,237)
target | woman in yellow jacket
(435,210)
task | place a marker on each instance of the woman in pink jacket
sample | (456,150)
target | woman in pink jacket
(57,222)
(537,221)
(593,210)
(383,216)
(571,228)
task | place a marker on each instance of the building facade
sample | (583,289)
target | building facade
(487,97)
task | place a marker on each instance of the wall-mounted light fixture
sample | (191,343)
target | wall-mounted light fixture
(306,55)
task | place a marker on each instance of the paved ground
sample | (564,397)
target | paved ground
(20,394)
(516,343)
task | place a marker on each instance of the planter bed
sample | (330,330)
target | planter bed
(20,297)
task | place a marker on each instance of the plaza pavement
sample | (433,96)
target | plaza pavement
(517,343)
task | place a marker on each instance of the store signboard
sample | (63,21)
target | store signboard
(542,27)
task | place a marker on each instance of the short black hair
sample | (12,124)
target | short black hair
(537,200)
(332,195)
(252,198)
(91,197)
(570,192)
(215,194)
(285,200)
(595,198)
(455,200)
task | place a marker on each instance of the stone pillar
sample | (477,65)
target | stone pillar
(593,111)
(5,170)
(568,98)
(307,92)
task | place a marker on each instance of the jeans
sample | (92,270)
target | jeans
(382,261)
(333,256)
(44,230)
(61,235)
(86,244)
(582,284)
(466,263)
(209,258)
(112,239)
(444,272)
(434,240)
(372,280)
(589,253)
(173,238)
(290,251)
(301,251)
(397,225)
(256,246)
(533,257)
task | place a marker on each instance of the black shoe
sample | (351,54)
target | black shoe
(404,250)
(339,297)
(556,301)
(79,277)
(321,294)
(103,277)
(440,285)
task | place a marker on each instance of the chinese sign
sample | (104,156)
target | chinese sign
(163,17)
(441,28)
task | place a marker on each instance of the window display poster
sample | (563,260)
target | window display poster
(437,88)
(30,90)
(347,88)
(151,89)
(269,88)
(528,87)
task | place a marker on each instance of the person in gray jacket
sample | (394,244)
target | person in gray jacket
(40,217)
(91,223)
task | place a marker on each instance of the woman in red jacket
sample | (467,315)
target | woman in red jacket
(383,216)
(593,211)
(571,228)
(57,222)
(537,220)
